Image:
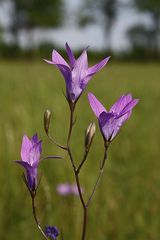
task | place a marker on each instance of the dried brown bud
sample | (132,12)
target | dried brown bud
(89,134)
(47,118)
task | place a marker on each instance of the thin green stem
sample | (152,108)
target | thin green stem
(57,144)
(101,168)
(84,223)
(94,188)
(76,171)
(35,217)
(83,161)
(70,126)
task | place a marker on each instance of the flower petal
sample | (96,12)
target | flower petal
(65,70)
(94,69)
(34,139)
(25,148)
(96,106)
(24,164)
(129,106)
(48,61)
(80,68)
(31,174)
(58,59)
(121,103)
(77,76)
(35,153)
(107,124)
(70,55)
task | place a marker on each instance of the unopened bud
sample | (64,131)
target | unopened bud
(89,134)
(47,118)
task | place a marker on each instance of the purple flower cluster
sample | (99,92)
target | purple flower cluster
(77,74)
(51,232)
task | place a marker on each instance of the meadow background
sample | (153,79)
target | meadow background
(126,205)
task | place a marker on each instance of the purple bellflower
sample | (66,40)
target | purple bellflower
(52,232)
(30,158)
(111,122)
(77,73)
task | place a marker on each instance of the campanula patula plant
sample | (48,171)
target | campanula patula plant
(77,74)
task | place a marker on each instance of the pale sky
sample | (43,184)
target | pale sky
(91,35)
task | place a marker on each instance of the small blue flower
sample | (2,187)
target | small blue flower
(52,232)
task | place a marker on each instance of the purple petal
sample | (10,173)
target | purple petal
(121,103)
(107,124)
(24,164)
(58,59)
(70,55)
(129,106)
(80,69)
(65,70)
(35,154)
(48,61)
(78,75)
(118,124)
(94,69)
(96,106)
(34,139)
(31,173)
(25,148)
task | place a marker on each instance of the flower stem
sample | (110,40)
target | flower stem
(35,217)
(76,172)
(83,161)
(70,126)
(83,205)
(101,168)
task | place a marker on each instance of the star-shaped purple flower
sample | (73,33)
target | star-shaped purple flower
(77,73)
(30,157)
(111,122)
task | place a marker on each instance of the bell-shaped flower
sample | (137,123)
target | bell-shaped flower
(30,157)
(77,73)
(111,122)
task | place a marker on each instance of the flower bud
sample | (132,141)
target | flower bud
(47,118)
(89,134)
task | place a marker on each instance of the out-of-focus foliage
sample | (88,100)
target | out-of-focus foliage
(141,36)
(142,41)
(153,9)
(35,13)
(102,11)
(30,14)
(148,5)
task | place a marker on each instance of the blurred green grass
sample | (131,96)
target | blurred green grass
(126,205)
